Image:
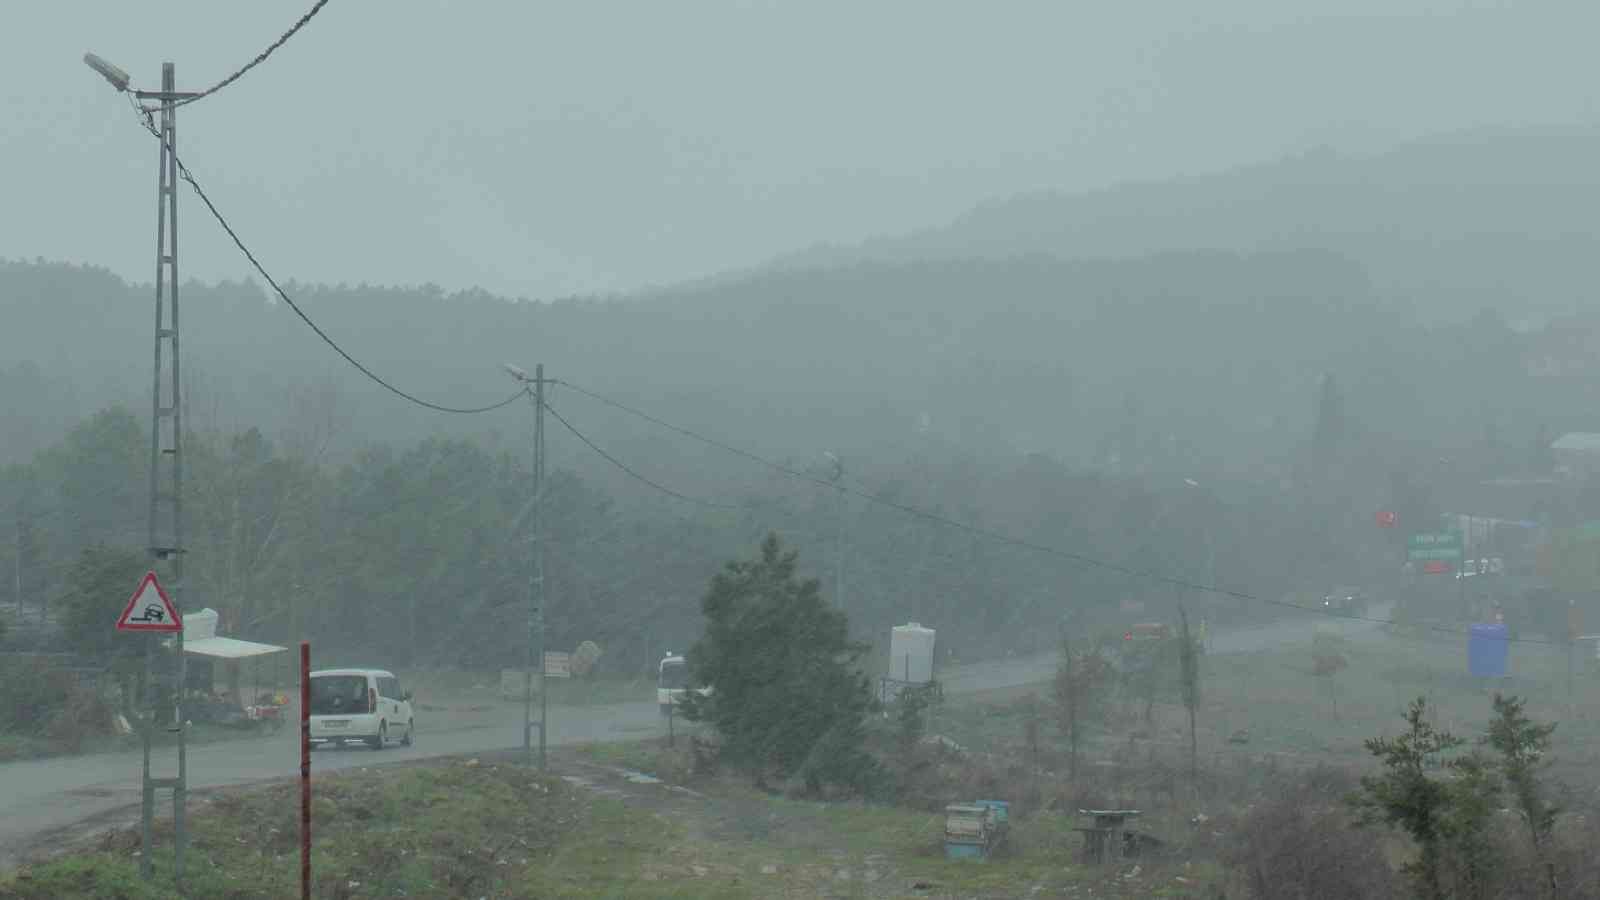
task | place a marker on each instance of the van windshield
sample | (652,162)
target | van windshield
(335,695)
(674,675)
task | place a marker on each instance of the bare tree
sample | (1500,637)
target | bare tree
(1327,661)
(1081,679)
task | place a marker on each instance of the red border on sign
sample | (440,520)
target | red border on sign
(126,622)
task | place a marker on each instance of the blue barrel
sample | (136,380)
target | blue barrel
(1487,648)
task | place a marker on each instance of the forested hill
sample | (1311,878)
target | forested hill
(931,380)
(1222,351)
(1451,225)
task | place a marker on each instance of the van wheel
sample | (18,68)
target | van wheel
(382,739)
(411,726)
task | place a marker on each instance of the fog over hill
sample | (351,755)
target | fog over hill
(1451,225)
(1029,355)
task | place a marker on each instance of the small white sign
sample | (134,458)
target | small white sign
(558,665)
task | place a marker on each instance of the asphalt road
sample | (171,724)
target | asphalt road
(45,798)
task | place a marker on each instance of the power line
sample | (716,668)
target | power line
(260,57)
(624,467)
(1001,537)
(775,466)
(237,242)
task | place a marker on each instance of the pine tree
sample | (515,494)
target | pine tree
(1523,745)
(1406,796)
(786,698)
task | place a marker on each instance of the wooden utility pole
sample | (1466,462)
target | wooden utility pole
(536,618)
(1191,690)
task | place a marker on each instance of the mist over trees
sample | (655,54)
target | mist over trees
(1231,416)
(417,552)
(1174,362)
(1208,415)
(1443,226)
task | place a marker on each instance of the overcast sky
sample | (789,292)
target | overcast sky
(539,149)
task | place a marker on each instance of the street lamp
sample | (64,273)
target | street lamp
(118,78)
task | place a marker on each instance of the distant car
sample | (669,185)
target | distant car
(1142,644)
(1346,601)
(1486,566)
(1148,631)
(360,706)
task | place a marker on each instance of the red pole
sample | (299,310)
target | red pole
(305,770)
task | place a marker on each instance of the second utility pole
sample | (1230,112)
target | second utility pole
(536,581)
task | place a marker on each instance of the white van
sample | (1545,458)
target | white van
(672,683)
(359,706)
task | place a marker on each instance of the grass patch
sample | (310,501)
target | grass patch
(1273,699)
(441,831)
(784,847)
(457,830)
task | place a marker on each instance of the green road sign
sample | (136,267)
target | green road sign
(1430,541)
(1444,545)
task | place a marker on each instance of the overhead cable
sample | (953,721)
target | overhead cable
(1001,537)
(624,467)
(183,170)
(260,57)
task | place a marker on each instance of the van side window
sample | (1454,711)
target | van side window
(389,688)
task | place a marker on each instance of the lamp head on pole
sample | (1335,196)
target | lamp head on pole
(118,78)
(517,372)
(835,467)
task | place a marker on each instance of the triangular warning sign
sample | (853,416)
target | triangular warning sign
(150,609)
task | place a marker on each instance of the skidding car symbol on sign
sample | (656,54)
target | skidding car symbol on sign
(154,609)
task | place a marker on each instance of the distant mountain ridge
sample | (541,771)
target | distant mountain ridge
(1448,225)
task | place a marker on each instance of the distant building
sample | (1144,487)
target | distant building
(1566,348)
(1577,453)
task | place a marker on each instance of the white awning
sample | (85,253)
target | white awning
(200,637)
(228,648)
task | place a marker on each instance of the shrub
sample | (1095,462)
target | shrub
(37,700)
(1301,844)
(31,693)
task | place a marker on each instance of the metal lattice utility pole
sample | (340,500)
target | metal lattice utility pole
(166,460)
(166,444)
(536,622)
